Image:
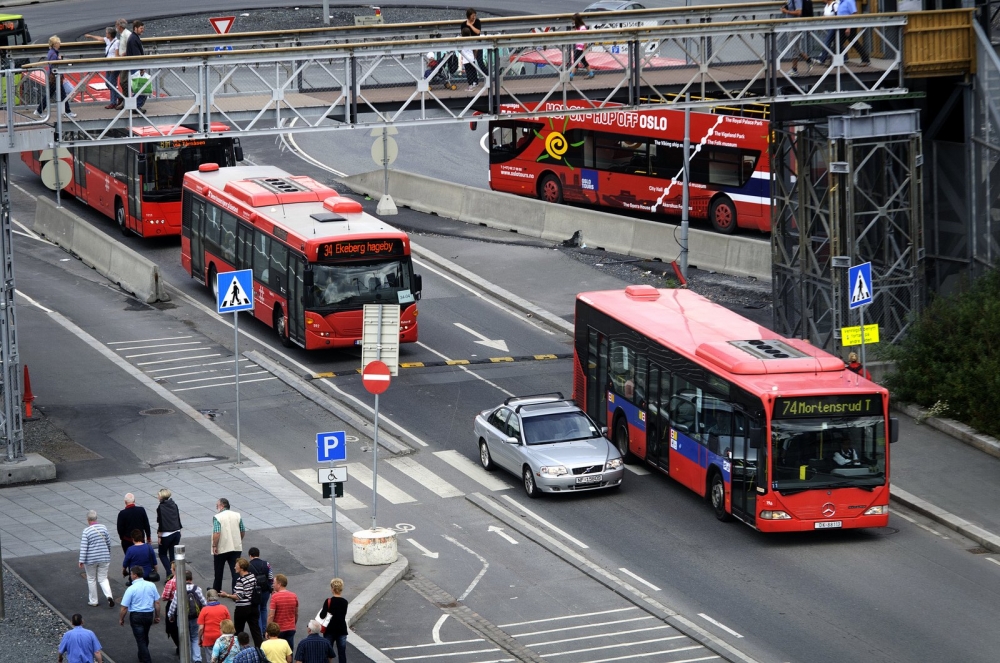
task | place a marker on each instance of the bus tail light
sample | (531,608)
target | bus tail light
(880,510)
(774,515)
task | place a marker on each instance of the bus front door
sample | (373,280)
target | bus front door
(296,310)
(133,180)
(743,470)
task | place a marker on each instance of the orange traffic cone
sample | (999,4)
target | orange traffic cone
(28,396)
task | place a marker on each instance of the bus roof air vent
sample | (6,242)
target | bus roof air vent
(645,293)
(278,184)
(769,349)
(327,217)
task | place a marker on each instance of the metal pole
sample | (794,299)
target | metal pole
(333,513)
(55,147)
(378,356)
(236,364)
(385,171)
(685,189)
(11,427)
(183,632)
(326,12)
(862,313)
(3,607)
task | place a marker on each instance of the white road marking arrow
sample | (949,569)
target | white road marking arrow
(498,344)
(499,530)
(425,551)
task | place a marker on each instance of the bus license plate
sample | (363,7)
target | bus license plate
(828,524)
(596,478)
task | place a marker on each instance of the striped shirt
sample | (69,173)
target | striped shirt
(244,589)
(284,604)
(95,545)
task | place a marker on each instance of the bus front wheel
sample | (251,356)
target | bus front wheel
(550,190)
(621,440)
(281,326)
(120,216)
(718,497)
(213,281)
(722,212)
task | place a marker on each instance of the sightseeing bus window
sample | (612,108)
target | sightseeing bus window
(620,155)
(227,240)
(666,158)
(261,259)
(509,139)
(723,168)
(749,164)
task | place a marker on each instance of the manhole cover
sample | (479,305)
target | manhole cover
(156,410)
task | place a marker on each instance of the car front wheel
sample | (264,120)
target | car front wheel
(529,482)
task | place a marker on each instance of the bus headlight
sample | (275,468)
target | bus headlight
(774,515)
(554,471)
(613,464)
(879,510)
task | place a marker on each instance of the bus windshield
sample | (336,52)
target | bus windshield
(351,285)
(171,159)
(828,453)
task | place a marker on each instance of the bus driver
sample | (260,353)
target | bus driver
(846,455)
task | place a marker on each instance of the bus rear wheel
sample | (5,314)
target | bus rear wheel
(120,216)
(722,212)
(550,190)
(281,326)
(717,494)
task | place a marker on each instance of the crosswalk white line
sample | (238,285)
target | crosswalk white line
(345,503)
(471,470)
(184,368)
(166,352)
(424,477)
(223,377)
(158,345)
(149,340)
(170,361)
(386,490)
(223,384)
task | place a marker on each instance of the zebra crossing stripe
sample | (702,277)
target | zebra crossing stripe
(386,490)
(423,476)
(471,470)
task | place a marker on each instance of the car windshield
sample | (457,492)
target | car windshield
(828,453)
(352,285)
(558,427)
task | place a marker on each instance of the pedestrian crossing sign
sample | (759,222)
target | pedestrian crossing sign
(859,281)
(235,291)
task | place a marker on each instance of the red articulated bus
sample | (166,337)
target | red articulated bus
(770,430)
(139,184)
(633,160)
(317,257)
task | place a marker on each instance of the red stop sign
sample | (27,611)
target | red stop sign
(375,377)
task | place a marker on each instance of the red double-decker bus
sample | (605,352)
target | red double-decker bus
(139,184)
(770,430)
(633,160)
(317,257)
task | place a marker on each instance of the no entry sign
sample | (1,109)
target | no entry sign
(375,377)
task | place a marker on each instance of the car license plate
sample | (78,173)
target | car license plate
(828,524)
(594,478)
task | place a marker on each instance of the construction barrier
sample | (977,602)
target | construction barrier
(109,257)
(728,254)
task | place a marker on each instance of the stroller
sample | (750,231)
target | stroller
(442,74)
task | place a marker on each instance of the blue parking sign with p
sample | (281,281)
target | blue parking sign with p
(235,291)
(331,447)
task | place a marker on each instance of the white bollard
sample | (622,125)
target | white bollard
(375,547)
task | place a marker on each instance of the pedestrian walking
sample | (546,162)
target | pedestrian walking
(276,648)
(95,558)
(210,623)
(79,645)
(849,8)
(579,50)
(475,30)
(469,60)
(314,648)
(132,517)
(196,601)
(800,9)
(247,596)
(134,48)
(168,526)
(284,609)
(855,366)
(264,576)
(226,647)
(67,89)
(110,40)
(121,27)
(227,541)
(141,602)
(336,629)
(247,653)
(170,626)
(141,554)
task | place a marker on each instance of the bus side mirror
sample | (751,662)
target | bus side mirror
(145,166)
(418,285)
(238,149)
(757,438)
(307,278)
(893,429)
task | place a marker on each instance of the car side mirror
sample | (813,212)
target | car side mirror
(604,431)
(893,429)
(512,440)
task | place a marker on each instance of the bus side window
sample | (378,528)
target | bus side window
(261,259)
(623,369)
(212,226)
(279,267)
(683,407)
(244,247)
(227,239)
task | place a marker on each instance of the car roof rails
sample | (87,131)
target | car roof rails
(555,396)
(567,401)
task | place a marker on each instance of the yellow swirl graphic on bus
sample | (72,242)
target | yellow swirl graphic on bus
(556,145)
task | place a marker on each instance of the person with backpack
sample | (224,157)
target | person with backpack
(262,572)
(800,9)
(247,653)
(247,597)
(195,602)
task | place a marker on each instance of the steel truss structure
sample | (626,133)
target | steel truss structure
(846,192)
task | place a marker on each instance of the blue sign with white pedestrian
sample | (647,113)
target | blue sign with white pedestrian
(331,447)
(859,283)
(235,291)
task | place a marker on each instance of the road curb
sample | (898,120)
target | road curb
(986,539)
(955,429)
(494,290)
(58,613)
(631,594)
(338,410)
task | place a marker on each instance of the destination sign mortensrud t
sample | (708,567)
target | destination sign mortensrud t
(828,406)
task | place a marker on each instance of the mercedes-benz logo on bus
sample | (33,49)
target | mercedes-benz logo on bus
(829,510)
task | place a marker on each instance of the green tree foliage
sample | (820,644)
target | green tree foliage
(952,354)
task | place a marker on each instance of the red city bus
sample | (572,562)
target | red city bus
(139,184)
(633,160)
(317,257)
(770,430)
